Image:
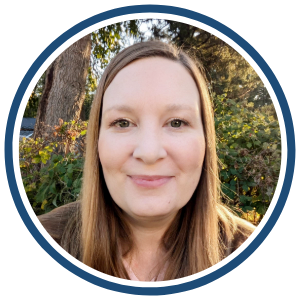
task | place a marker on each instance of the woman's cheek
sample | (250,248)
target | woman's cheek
(188,153)
(113,151)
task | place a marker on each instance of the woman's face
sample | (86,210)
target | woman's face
(151,144)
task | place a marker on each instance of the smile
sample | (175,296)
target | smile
(150,181)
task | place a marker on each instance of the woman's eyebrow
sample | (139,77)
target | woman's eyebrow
(174,107)
(122,107)
(169,107)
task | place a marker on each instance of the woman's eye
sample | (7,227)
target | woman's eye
(121,123)
(176,123)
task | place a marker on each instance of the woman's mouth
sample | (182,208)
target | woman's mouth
(149,181)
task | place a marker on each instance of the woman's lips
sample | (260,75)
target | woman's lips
(149,181)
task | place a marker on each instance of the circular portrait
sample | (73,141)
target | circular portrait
(150,150)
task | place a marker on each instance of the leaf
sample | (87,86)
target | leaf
(53,188)
(225,175)
(44,161)
(243,199)
(233,172)
(69,182)
(70,168)
(36,160)
(76,191)
(54,201)
(83,132)
(249,145)
(245,188)
(265,145)
(62,170)
(65,178)
(247,208)
(233,153)
(43,204)
(51,173)
(261,210)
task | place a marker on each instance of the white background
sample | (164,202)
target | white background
(27,28)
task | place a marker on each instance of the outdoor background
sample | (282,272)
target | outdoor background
(55,120)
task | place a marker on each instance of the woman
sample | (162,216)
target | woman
(150,207)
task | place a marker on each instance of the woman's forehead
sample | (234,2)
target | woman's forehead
(155,80)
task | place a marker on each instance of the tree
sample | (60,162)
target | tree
(64,90)
(71,80)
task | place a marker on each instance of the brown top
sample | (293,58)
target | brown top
(56,221)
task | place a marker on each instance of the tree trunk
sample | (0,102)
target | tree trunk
(64,90)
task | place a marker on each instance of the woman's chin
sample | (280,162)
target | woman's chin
(157,214)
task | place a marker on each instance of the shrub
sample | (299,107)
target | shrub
(249,151)
(51,167)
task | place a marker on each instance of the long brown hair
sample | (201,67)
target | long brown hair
(199,236)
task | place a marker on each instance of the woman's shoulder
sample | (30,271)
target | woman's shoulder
(56,221)
(243,230)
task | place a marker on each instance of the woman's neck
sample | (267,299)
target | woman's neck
(147,256)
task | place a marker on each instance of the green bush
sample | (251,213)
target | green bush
(249,151)
(59,182)
(51,167)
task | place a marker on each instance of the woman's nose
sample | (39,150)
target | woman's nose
(149,147)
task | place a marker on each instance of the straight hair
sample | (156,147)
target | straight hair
(202,232)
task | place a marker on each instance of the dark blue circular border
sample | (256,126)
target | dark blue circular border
(289,134)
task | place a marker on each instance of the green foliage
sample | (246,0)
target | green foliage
(59,183)
(109,40)
(52,178)
(249,150)
(105,42)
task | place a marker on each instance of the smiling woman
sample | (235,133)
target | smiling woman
(150,207)
(150,109)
